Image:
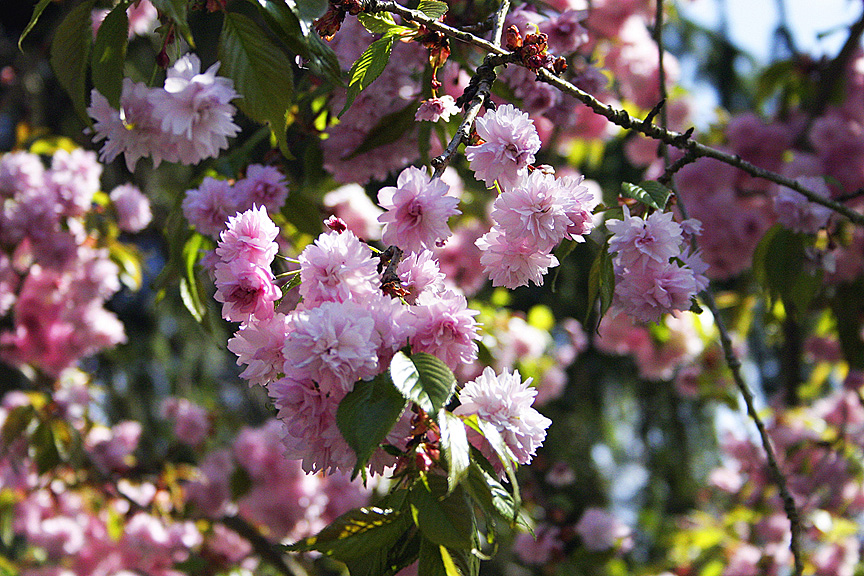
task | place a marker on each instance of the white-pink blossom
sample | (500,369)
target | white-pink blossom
(133,208)
(334,344)
(195,108)
(250,236)
(796,212)
(510,142)
(533,211)
(505,402)
(262,186)
(258,345)
(245,290)
(417,210)
(445,327)
(337,268)
(209,206)
(657,237)
(513,264)
(434,109)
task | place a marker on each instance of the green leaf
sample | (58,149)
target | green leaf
(847,306)
(240,483)
(433,8)
(16,423)
(303,214)
(70,54)
(261,73)
(366,415)
(357,533)
(424,379)
(445,519)
(389,129)
(381,23)
(601,282)
(300,38)
(492,497)
(47,456)
(307,11)
(456,448)
(368,67)
(175,10)
(37,12)
(652,194)
(778,265)
(109,54)
(191,291)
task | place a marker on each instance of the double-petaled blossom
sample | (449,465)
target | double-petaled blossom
(796,212)
(262,186)
(258,345)
(655,271)
(132,207)
(505,402)
(513,263)
(246,291)
(334,344)
(337,268)
(417,210)
(250,236)
(445,327)
(510,142)
(434,109)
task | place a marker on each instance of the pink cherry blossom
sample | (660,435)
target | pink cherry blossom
(513,264)
(656,238)
(446,328)
(262,186)
(505,402)
(337,268)
(133,208)
(532,211)
(245,290)
(797,213)
(417,210)
(356,209)
(258,344)
(419,272)
(434,109)
(510,142)
(601,530)
(209,206)
(334,344)
(250,236)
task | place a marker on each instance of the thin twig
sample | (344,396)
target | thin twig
(621,117)
(725,341)
(482,85)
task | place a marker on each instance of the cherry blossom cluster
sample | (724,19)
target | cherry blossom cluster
(656,271)
(55,276)
(187,120)
(209,206)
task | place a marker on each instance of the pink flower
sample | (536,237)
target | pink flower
(337,268)
(510,142)
(111,449)
(258,344)
(419,273)
(133,208)
(20,171)
(209,206)
(334,344)
(250,236)
(513,264)
(196,107)
(245,290)
(637,240)
(533,211)
(417,211)
(74,178)
(446,328)
(263,186)
(540,547)
(601,530)
(132,131)
(649,292)
(433,109)
(505,402)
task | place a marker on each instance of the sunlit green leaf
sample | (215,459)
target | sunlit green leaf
(109,54)
(368,67)
(424,379)
(445,519)
(37,12)
(455,446)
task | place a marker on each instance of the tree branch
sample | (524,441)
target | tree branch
(621,117)
(263,547)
